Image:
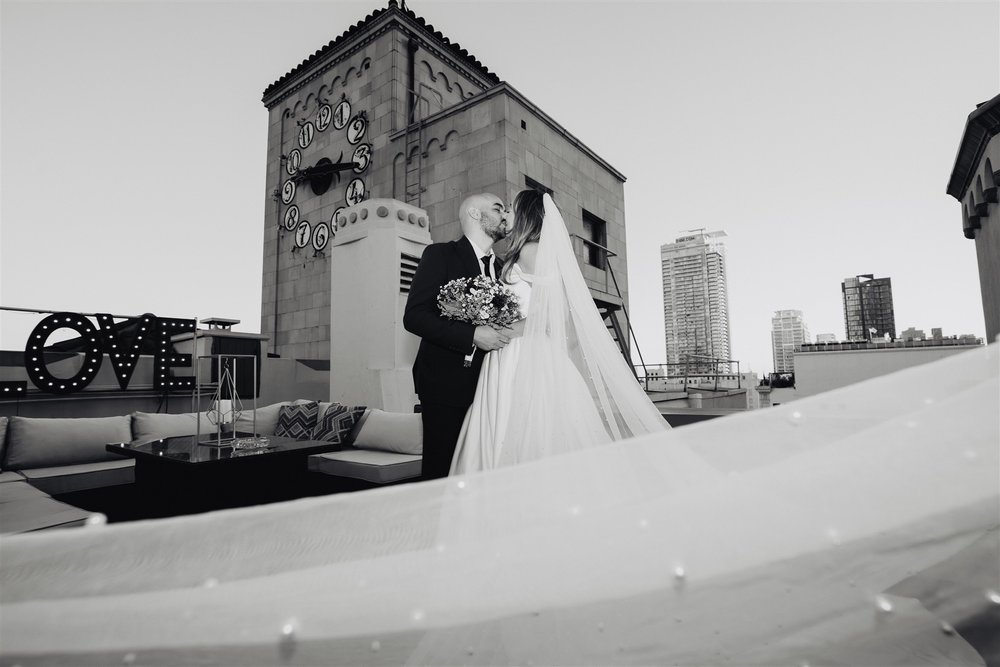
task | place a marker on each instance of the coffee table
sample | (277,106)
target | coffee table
(181,476)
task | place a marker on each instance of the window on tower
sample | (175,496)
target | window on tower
(532,184)
(595,230)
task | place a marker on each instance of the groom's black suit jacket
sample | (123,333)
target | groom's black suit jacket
(439,372)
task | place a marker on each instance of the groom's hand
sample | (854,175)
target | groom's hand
(488,338)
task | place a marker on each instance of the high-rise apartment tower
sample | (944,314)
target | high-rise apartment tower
(787,330)
(868,311)
(696,303)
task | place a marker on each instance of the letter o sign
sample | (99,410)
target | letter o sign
(34,358)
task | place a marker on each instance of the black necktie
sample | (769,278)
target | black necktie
(485,259)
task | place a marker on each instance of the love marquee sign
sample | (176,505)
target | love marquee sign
(123,343)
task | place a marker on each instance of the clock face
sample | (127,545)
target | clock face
(302,234)
(341,115)
(306,134)
(322,161)
(291,217)
(294,161)
(320,236)
(288,192)
(362,156)
(356,129)
(323,117)
(355,192)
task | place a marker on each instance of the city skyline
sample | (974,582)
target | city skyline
(134,162)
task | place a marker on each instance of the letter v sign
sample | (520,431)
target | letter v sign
(124,351)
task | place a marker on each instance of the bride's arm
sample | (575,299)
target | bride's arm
(526,261)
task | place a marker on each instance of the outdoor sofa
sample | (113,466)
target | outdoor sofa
(45,457)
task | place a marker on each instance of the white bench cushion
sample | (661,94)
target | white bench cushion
(80,477)
(371,466)
(38,514)
(18,491)
(10,476)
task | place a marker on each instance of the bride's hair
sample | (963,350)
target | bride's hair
(529,211)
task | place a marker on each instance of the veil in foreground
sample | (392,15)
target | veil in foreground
(566,345)
(856,527)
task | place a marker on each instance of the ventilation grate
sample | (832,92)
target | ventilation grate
(407,267)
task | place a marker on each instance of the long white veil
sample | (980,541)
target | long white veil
(857,527)
(565,343)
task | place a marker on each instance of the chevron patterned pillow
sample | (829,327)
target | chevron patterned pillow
(297,421)
(337,423)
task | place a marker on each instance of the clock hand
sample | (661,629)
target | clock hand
(324,170)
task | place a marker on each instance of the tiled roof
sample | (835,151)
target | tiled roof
(983,125)
(456,50)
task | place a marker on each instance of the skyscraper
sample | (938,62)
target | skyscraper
(696,303)
(868,311)
(787,330)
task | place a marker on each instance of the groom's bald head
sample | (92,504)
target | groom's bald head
(483,214)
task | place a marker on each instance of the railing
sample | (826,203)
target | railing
(608,271)
(694,373)
(887,344)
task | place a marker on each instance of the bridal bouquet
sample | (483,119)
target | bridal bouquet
(480,301)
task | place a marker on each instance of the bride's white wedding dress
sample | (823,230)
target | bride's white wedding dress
(561,387)
(483,445)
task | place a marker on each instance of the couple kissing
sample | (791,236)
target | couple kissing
(551,382)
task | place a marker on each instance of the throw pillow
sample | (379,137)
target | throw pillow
(391,432)
(337,423)
(297,421)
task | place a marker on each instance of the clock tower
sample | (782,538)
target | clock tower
(392,109)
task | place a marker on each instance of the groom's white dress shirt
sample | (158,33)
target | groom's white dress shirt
(480,253)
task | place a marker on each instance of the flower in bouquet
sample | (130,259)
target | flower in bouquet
(480,301)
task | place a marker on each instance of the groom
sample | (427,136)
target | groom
(443,382)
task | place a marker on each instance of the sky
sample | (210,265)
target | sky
(820,136)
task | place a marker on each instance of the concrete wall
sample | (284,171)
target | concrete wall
(372,359)
(816,372)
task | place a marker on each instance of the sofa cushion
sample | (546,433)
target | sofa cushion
(3,439)
(10,476)
(42,443)
(371,466)
(148,426)
(297,421)
(18,491)
(338,423)
(83,476)
(40,513)
(267,418)
(401,432)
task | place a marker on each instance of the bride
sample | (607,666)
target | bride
(562,385)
